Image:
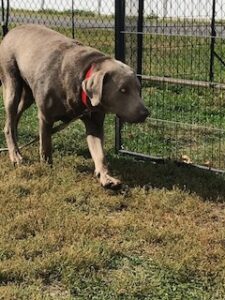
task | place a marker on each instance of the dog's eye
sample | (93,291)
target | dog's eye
(123,90)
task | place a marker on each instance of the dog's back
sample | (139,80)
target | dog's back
(26,47)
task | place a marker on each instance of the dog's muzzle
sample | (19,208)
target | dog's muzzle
(139,118)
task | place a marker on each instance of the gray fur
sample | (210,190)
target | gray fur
(41,65)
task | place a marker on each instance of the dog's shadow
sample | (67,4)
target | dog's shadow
(206,184)
(137,173)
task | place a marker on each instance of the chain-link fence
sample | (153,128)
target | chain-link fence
(176,47)
(91,22)
(178,50)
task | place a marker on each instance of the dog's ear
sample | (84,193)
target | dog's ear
(93,87)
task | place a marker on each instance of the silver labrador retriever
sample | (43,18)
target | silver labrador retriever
(64,78)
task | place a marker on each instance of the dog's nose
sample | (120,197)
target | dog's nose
(144,114)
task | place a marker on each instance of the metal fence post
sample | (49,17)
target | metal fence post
(213,41)
(120,55)
(5,17)
(140,23)
(72,16)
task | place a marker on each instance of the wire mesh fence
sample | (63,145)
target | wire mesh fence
(177,49)
(91,22)
(181,65)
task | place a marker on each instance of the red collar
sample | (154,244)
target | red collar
(84,96)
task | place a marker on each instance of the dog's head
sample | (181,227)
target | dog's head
(114,87)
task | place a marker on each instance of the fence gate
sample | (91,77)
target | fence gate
(177,49)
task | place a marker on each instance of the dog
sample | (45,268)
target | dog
(64,78)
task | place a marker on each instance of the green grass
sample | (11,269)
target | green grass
(80,14)
(185,121)
(151,19)
(160,237)
(64,237)
(61,234)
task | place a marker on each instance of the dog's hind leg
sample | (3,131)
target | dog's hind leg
(45,132)
(26,101)
(12,90)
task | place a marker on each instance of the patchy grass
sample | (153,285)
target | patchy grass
(61,234)
(64,237)
(161,237)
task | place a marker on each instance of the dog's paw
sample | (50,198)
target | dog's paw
(15,157)
(109,182)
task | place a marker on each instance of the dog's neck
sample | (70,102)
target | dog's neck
(84,96)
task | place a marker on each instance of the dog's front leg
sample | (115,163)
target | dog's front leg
(95,140)
(95,145)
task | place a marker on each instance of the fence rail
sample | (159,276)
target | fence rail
(184,82)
